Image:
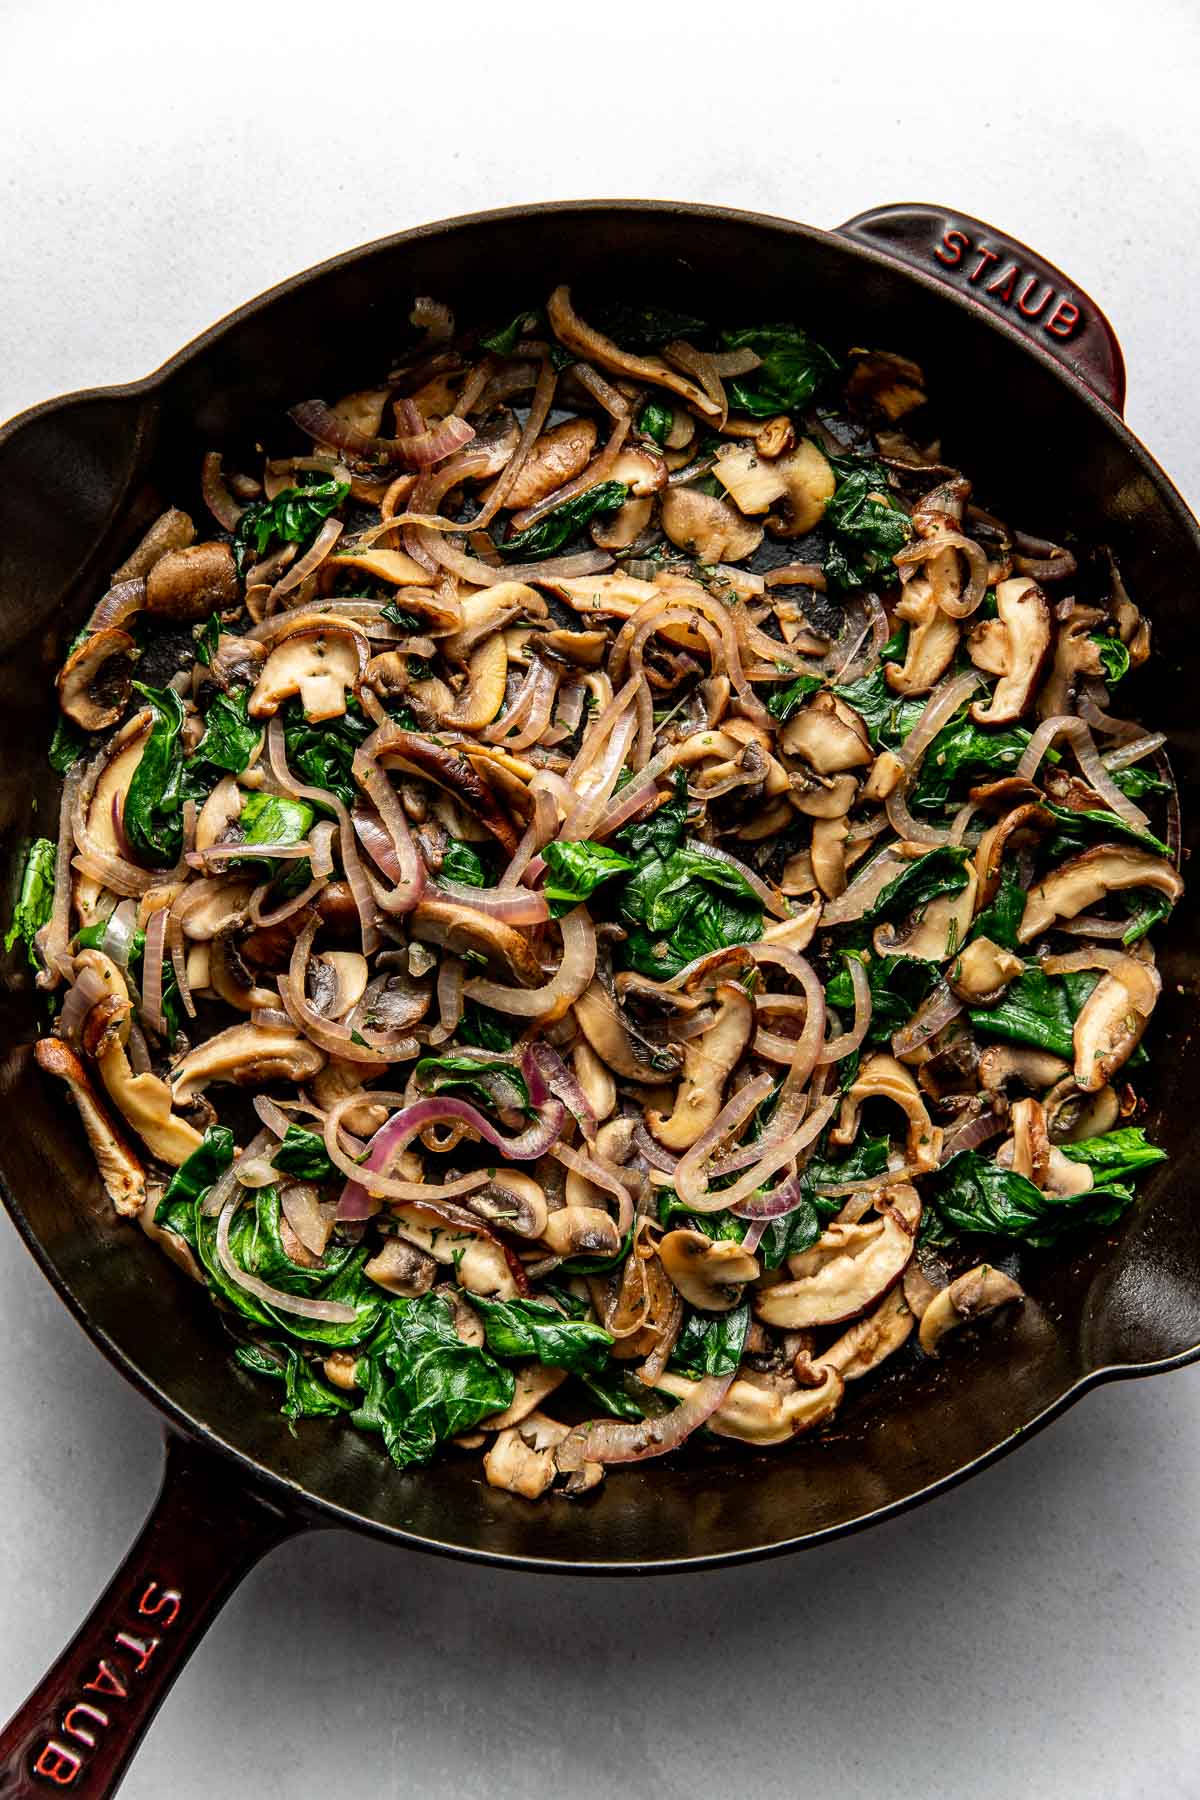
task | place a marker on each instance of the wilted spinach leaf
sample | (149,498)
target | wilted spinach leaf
(711,1343)
(577,868)
(302,1154)
(793,369)
(551,533)
(323,752)
(876,704)
(782,701)
(940,871)
(963,752)
(424,1384)
(867,525)
(462,862)
(617,1393)
(292,517)
(1115,1155)
(973,1195)
(207,639)
(1001,920)
(898,986)
(1080,829)
(35,900)
(1114,657)
(489,1084)
(682,906)
(644,327)
(664,830)
(486,1029)
(1036,1009)
(306,1396)
(151,813)
(230,735)
(535,1328)
(656,421)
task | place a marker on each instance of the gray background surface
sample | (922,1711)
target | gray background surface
(1033,1633)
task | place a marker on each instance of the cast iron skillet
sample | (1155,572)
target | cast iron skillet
(1028,380)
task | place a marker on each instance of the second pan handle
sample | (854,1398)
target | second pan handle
(78,1729)
(1003,276)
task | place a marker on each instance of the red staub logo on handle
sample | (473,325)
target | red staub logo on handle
(1007,283)
(96,1708)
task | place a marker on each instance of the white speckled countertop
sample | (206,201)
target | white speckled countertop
(1033,1632)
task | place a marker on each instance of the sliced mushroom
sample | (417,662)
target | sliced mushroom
(229,977)
(1111,1022)
(983,970)
(401,1268)
(514,1465)
(755,478)
(587,342)
(1030,1142)
(249,1056)
(765,1409)
(887,772)
(810,484)
(122,1174)
(882,1077)
(392,566)
(599,1088)
(320,662)
(1085,879)
(143,1100)
(708,1062)
(490,611)
(847,1269)
(936,932)
(821,796)
(478,700)
(339,1078)
(829,855)
(124,753)
(980,1291)
(709,529)
(645,475)
(581,1231)
(1075,653)
(872,1339)
(172,530)
(1024,618)
(829,735)
(1000,1065)
(932,634)
(556,458)
(450,768)
(514,1201)
(710,1275)
(1022,820)
(614,1042)
(94,683)
(534,1382)
(464,932)
(1072,1115)
(188,585)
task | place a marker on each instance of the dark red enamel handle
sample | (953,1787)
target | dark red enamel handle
(1004,277)
(78,1729)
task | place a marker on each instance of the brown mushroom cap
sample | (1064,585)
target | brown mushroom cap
(871,1339)
(188,585)
(122,1174)
(1084,880)
(708,1062)
(1024,618)
(94,683)
(249,1056)
(983,970)
(615,1043)
(1111,1022)
(319,660)
(463,931)
(882,1077)
(710,1275)
(980,1291)
(829,735)
(848,1268)
(556,458)
(709,529)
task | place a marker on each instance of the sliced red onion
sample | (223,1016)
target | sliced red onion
(742,1199)
(1087,756)
(511,906)
(620,1441)
(55,935)
(600,1176)
(408,1123)
(117,942)
(574,972)
(411,884)
(152,971)
(226,1186)
(271,1115)
(300,1204)
(545,1071)
(839,1047)
(119,604)
(451,975)
(970,1135)
(88,988)
(216,496)
(331,1312)
(690,1180)
(973,554)
(420,449)
(940,708)
(653,1152)
(1135,751)
(1091,925)
(309,563)
(936,1010)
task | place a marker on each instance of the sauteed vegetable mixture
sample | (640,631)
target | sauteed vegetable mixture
(599,894)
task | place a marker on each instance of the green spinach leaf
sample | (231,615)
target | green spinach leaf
(1001,920)
(67,745)
(867,525)
(975,1196)
(302,1154)
(551,533)
(489,1084)
(682,906)
(35,900)
(151,814)
(306,1396)
(1114,657)
(782,702)
(711,1343)
(230,735)
(292,517)
(207,639)
(940,871)
(425,1385)
(655,421)
(793,369)
(535,1328)
(323,752)
(577,869)
(462,862)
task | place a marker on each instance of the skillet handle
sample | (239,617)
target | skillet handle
(1004,277)
(81,1725)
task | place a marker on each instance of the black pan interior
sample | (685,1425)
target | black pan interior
(80,479)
